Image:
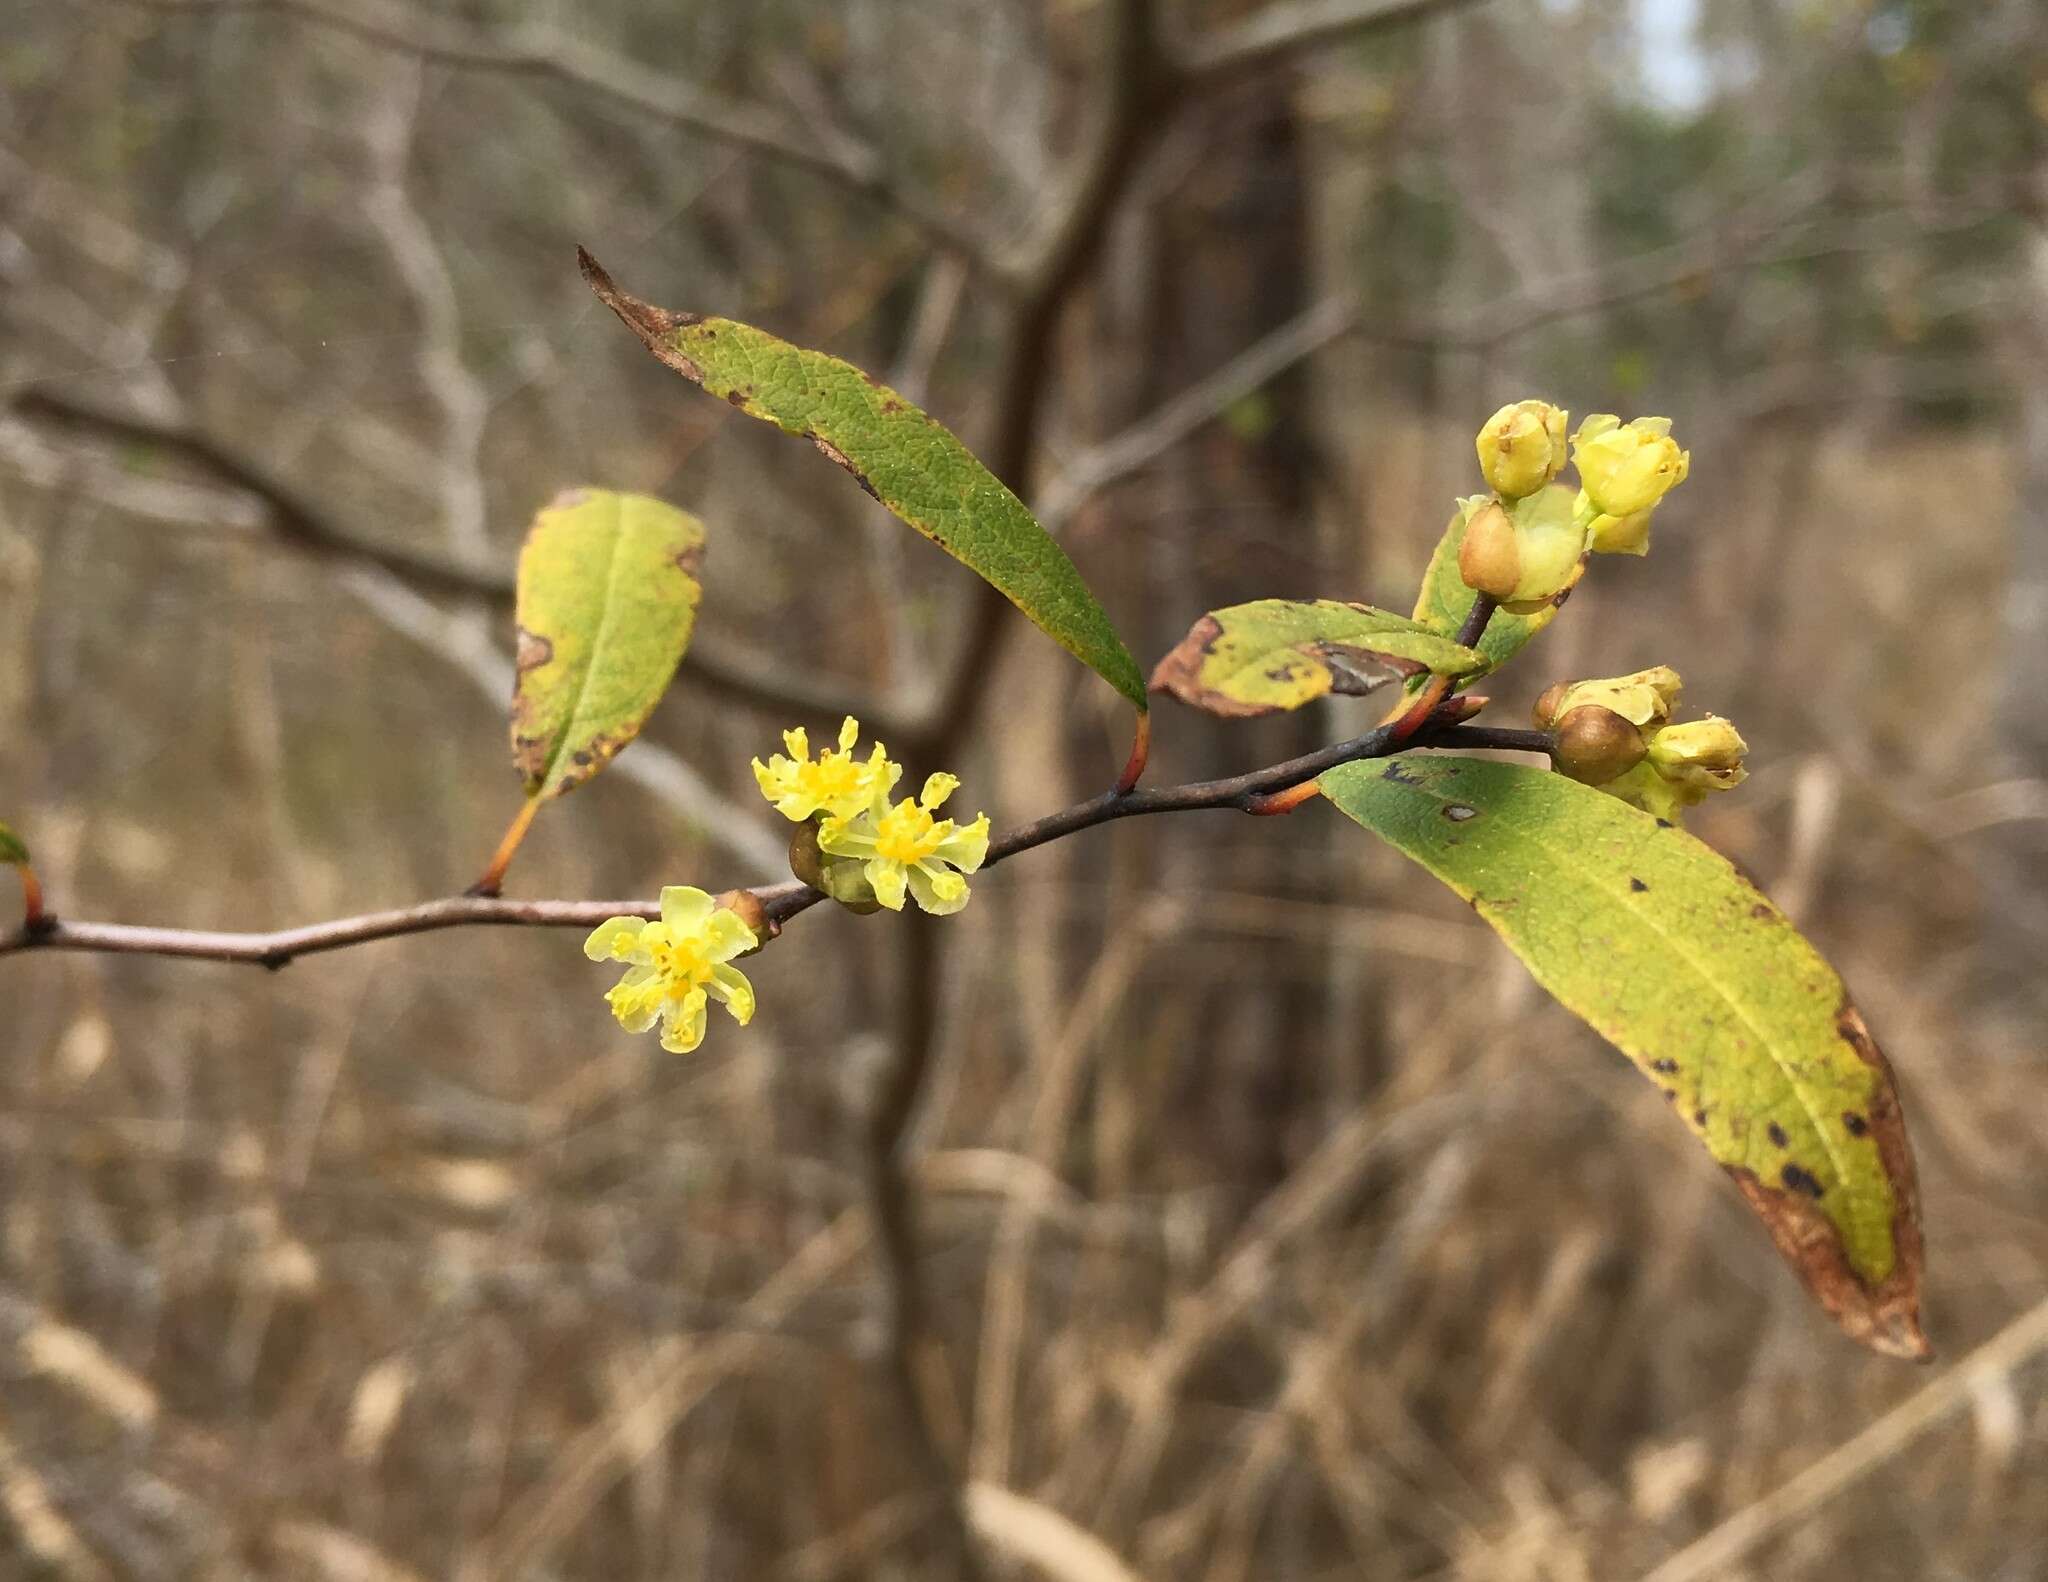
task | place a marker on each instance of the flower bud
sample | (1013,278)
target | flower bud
(1522,447)
(1626,468)
(806,861)
(1551,544)
(1645,698)
(837,877)
(1596,745)
(1700,755)
(1488,558)
(747,907)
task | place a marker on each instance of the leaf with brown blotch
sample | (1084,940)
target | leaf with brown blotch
(1274,654)
(1666,951)
(608,593)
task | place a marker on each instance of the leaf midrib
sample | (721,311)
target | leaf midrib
(598,645)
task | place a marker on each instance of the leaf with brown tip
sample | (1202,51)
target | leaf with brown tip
(1274,654)
(1666,951)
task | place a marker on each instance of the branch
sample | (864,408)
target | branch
(538,50)
(753,679)
(780,902)
(1280,32)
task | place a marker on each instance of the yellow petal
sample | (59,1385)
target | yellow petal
(730,985)
(684,908)
(888,880)
(604,940)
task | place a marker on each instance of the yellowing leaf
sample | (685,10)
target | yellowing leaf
(1665,950)
(906,459)
(1444,600)
(608,594)
(12,852)
(1276,654)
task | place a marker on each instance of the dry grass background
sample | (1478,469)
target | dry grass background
(1275,1226)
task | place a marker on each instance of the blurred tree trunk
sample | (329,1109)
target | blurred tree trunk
(2017,854)
(1231,264)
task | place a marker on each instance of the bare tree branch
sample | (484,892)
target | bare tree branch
(1283,31)
(757,680)
(539,50)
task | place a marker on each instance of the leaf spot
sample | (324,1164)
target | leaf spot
(531,651)
(1857,1124)
(1666,1065)
(1458,812)
(1800,1181)
(1778,1134)
(1636,885)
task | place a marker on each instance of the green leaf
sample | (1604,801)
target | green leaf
(608,594)
(12,851)
(1665,950)
(904,458)
(1442,604)
(1276,654)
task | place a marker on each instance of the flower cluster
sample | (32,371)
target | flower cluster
(1526,543)
(676,966)
(857,845)
(1617,734)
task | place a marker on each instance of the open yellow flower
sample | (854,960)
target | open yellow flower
(837,784)
(676,966)
(1626,468)
(905,848)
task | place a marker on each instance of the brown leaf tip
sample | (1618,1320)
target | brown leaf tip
(1179,674)
(653,325)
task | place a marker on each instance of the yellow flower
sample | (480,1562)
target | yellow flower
(676,965)
(1700,756)
(837,785)
(1625,468)
(905,848)
(1618,535)
(1521,448)
(1686,764)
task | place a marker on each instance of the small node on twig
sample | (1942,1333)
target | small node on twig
(747,907)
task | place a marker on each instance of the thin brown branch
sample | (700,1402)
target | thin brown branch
(1285,31)
(756,680)
(780,902)
(539,50)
